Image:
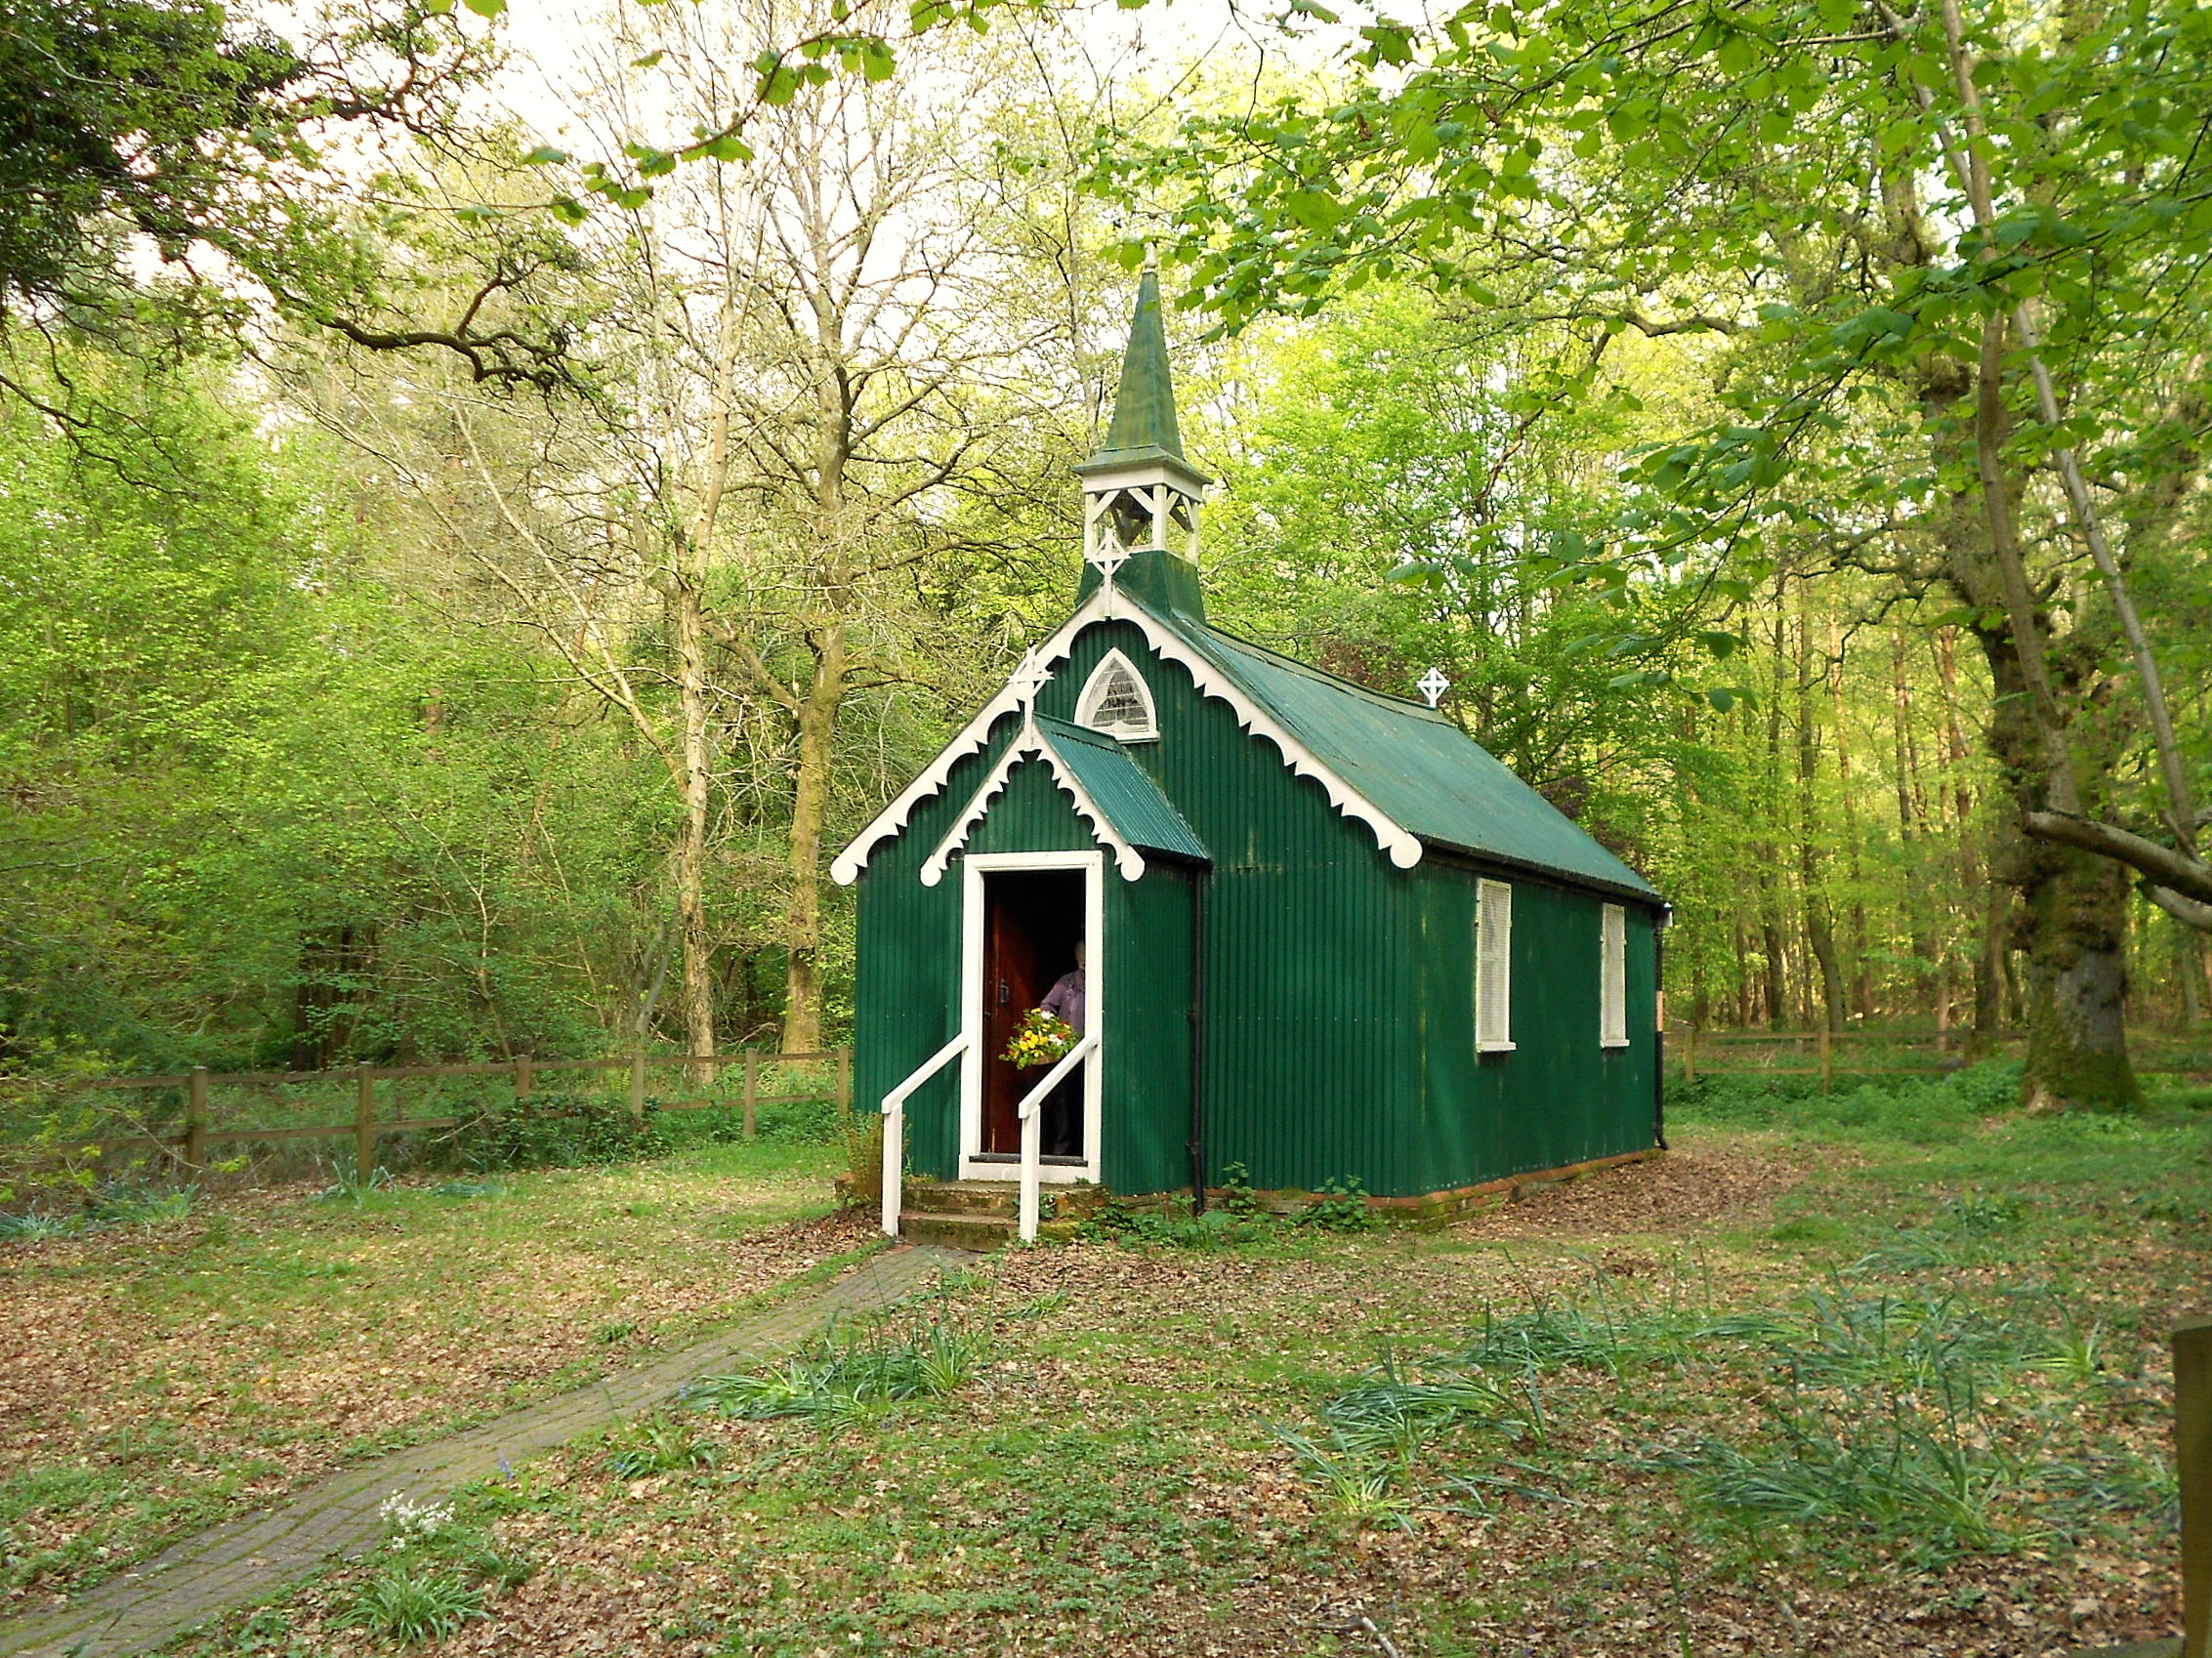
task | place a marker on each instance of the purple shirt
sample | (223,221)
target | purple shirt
(1065,999)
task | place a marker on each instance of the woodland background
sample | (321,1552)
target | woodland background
(457,593)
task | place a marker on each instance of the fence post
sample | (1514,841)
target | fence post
(195,1121)
(2192,1462)
(752,1092)
(522,1079)
(364,1124)
(637,1084)
(1827,1060)
(844,1084)
(1690,1054)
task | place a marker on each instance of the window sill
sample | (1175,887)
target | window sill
(1617,1043)
(1494,1047)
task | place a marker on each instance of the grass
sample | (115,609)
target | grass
(1898,1386)
(195,1354)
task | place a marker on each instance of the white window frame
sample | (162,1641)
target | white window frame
(1094,689)
(1612,976)
(1494,967)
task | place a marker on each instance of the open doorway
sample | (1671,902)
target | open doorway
(1033,935)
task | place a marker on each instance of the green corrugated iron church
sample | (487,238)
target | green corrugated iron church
(1324,935)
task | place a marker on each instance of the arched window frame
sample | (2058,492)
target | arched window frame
(1094,690)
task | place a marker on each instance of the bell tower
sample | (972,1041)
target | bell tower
(1141,498)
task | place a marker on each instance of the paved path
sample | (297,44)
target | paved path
(249,1559)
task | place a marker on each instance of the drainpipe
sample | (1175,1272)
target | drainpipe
(1659,1030)
(1199,876)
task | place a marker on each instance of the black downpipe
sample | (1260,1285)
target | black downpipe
(1197,1147)
(1659,1030)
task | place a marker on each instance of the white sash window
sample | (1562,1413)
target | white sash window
(1613,977)
(1494,967)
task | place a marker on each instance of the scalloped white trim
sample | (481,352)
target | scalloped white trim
(1400,844)
(1027,743)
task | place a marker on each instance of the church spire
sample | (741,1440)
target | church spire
(1144,410)
(1141,497)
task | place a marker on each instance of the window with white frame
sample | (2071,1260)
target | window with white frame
(1494,967)
(1613,977)
(1116,700)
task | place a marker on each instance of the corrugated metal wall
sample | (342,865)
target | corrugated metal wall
(1339,990)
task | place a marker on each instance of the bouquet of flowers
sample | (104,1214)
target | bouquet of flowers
(1041,1040)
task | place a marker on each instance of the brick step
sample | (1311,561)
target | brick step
(997,1197)
(980,1233)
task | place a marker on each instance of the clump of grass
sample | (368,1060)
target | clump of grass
(411,1603)
(1892,1469)
(1375,1431)
(1593,1331)
(661,1443)
(131,1204)
(464,1188)
(839,1380)
(36,1227)
(350,1187)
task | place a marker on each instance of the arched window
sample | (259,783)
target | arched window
(1116,700)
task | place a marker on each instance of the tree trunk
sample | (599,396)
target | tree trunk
(691,829)
(1861,980)
(1989,966)
(2074,910)
(1819,925)
(809,813)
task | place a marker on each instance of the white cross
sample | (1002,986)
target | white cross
(1028,679)
(1433,685)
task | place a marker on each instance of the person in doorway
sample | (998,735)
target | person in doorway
(1061,1133)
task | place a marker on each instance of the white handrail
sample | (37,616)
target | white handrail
(1032,1130)
(894,1128)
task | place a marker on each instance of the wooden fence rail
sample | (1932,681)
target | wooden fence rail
(366,1127)
(1822,1053)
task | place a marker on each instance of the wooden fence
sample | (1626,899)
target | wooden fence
(1692,1052)
(189,1145)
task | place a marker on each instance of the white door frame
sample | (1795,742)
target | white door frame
(974,867)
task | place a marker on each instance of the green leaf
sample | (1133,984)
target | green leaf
(648,60)
(1314,210)
(545,155)
(485,7)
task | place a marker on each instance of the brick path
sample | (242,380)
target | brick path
(250,1558)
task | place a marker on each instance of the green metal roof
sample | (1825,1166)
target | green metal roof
(1133,803)
(1143,427)
(1414,764)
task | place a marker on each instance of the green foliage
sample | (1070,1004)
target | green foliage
(839,1381)
(1907,1108)
(414,1604)
(1340,1206)
(1124,1221)
(568,1130)
(661,1443)
(859,1136)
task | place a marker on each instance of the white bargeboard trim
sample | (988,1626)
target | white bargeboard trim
(1105,605)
